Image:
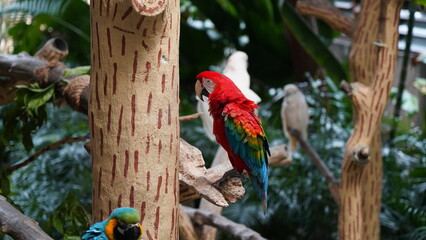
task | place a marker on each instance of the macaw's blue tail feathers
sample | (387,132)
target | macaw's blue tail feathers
(261,189)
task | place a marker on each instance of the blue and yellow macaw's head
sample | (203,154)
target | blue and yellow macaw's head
(123,223)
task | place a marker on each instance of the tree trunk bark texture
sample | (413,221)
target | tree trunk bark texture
(372,66)
(133,111)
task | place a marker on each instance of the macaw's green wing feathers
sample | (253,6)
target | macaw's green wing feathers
(248,141)
(245,136)
(96,232)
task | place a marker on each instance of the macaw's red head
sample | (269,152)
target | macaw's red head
(214,83)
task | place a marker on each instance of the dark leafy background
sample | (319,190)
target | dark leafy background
(55,189)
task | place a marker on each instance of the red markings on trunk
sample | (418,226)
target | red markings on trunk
(105,84)
(123,30)
(114,79)
(159,58)
(126,162)
(145,46)
(169,115)
(173,76)
(119,200)
(119,126)
(101,132)
(143,207)
(149,235)
(92,122)
(98,103)
(109,42)
(148,109)
(100,7)
(108,6)
(99,182)
(141,19)
(123,45)
(144,32)
(167,179)
(163,83)
(157,221)
(174,184)
(99,48)
(132,120)
(109,118)
(160,147)
(148,176)
(154,27)
(127,12)
(160,116)
(115,12)
(114,166)
(148,141)
(132,197)
(136,161)
(135,66)
(157,196)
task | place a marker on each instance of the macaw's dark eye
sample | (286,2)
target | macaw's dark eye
(122,225)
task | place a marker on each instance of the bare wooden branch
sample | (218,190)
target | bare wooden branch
(45,149)
(54,50)
(324,10)
(319,163)
(196,181)
(186,228)
(189,117)
(238,231)
(17,225)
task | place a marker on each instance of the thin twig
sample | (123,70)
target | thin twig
(45,149)
(319,163)
(189,117)
(238,231)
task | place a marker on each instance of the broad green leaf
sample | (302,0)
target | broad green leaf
(77,71)
(57,223)
(41,98)
(311,42)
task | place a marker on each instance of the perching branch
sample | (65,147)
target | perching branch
(189,117)
(238,231)
(325,11)
(17,225)
(45,149)
(186,228)
(319,163)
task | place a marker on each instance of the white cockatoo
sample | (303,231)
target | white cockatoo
(236,70)
(294,114)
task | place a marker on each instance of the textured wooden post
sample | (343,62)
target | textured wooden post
(133,111)
(372,66)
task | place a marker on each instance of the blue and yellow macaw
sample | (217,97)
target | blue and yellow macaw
(122,224)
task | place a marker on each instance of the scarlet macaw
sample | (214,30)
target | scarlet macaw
(237,128)
(123,223)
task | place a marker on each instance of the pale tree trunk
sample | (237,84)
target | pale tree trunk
(133,111)
(372,66)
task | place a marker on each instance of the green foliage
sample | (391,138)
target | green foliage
(33,22)
(27,114)
(421,2)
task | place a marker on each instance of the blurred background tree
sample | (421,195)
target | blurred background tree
(55,189)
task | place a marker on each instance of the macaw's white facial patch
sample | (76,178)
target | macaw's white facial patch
(209,85)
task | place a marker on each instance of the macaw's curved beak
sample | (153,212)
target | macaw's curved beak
(200,90)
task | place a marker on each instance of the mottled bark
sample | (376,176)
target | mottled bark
(133,112)
(372,65)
